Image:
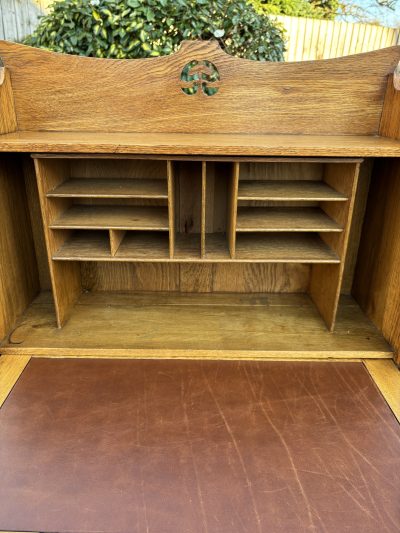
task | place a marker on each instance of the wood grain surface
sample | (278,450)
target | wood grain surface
(19,281)
(377,276)
(199,446)
(11,369)
(194,144)
(386,376)
(195,325)
(125,95)
(8,119)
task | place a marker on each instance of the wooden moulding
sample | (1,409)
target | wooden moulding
(197,145)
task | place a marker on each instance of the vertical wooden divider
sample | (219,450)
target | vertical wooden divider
(116,237)
(232,208)
(326,280)
(171,207)
(65,275)
(203,208)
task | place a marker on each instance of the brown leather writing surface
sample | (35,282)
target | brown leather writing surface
(197,446)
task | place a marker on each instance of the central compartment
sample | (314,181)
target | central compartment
(123,209)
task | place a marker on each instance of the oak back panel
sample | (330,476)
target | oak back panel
(70,93)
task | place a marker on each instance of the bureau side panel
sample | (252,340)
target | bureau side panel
(377,277)
(19,280)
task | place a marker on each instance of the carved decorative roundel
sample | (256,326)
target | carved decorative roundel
(201,75)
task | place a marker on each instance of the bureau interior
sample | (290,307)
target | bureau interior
(138,220)
(207,228)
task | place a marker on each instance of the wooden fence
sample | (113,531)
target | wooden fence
(306,38)
(322,39)
(18,18)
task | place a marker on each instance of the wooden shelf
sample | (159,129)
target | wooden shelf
(95,246)
(111,188)
(187,247)
(85,246)
(196,325)
(284,219)
(299,190)
(217,247)
(284,248)
(149,246)
(224,144)
(144,246)
(113,217)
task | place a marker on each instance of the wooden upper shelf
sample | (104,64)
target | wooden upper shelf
(200,144)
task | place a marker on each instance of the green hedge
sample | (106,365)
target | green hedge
(145,28)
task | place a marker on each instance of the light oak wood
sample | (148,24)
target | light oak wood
(377,280)
(19,280)
(326,280)
(232,209)
(264,219)
(299,190)
(357,220)
(203,208)
(36,222)
(130,276)
(351,88)
(8,119)
(243,129)
(282,169)
(65,277)
(110,188)
(116,238)
(188,247)
(199,144)
(11,369)
(114,217)
(386,376)
(149,247)
(125,246)
(390,120)
(197,326)
(171,207)
(377,277)
(289,248)
(81,158)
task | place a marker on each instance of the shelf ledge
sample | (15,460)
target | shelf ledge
(224,144)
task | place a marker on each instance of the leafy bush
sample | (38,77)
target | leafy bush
(143,28)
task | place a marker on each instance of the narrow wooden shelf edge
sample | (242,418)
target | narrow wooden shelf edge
(200,144)
(111,188)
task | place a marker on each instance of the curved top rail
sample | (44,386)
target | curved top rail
(198,89)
